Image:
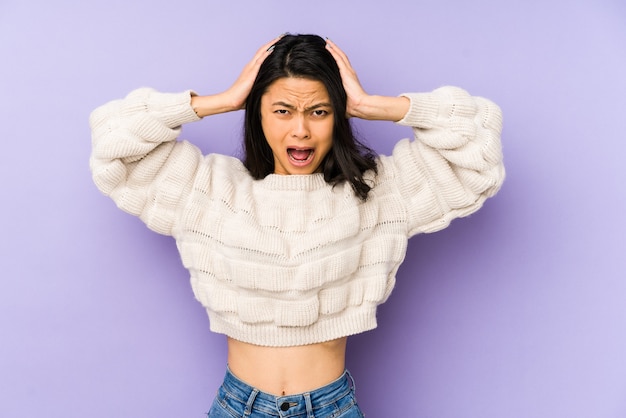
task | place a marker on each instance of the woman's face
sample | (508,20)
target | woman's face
(297,120)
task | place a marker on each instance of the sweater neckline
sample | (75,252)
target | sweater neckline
(306,182)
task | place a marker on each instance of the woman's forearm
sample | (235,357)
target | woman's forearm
(212,104)
(381,108)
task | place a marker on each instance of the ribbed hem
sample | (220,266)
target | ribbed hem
(422,112)
(174,109)
(353,321)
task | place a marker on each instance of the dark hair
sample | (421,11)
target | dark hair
(306,56)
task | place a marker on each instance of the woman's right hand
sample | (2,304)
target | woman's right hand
(241,87)
(234,98)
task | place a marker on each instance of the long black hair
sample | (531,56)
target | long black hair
(306,56)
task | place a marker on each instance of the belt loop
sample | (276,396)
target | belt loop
(250,402)
(309,405)
(352,383)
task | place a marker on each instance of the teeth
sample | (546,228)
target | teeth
(299,155)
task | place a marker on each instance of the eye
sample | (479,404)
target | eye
(320,112)
(281,111)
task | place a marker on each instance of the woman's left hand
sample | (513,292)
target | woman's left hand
(359,103)
(351,82)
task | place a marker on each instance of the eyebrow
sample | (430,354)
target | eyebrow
(290,106)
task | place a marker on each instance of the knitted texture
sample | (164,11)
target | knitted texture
(292,260)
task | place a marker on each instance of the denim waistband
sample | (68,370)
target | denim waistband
(303,404)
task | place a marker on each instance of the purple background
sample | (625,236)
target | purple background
(517,311)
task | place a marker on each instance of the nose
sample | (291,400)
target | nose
(300,128)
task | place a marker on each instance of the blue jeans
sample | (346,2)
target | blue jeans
(236,399)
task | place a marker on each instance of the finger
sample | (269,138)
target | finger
(261,54)
(266,49)
(337,52)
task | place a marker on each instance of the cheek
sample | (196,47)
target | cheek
(326,132)
(271,129)
(267,132)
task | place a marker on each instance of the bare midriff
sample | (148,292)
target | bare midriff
(287,370)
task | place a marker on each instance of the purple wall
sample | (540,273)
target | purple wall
(518,311)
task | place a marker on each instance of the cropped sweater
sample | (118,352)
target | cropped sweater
(291,260)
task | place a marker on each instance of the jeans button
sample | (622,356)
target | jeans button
(284,406)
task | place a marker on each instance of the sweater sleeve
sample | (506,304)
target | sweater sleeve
(455,161)
(136,159)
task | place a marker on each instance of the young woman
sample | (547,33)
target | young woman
(292,249)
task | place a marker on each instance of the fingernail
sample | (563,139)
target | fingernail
(271,48)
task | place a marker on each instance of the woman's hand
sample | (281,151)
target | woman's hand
(351,82)
(234,98)
(240,89)
(360,104)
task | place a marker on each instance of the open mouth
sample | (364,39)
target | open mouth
(300,155)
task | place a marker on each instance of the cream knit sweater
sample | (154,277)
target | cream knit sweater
(291,260)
